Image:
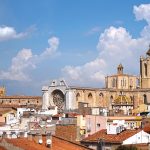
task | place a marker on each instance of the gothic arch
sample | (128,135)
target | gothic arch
(77,96)
(145,98)
(145,69)
(111,99)
(90,96)
(101,94)
(58,99)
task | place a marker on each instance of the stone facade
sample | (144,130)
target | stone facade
(19,101)
(145,70)
(95,97)
(122,93)
(121,81)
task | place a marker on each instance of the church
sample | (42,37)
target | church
(122,92)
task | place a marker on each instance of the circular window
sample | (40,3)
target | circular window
(58,99)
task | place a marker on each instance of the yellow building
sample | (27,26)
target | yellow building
(141,108)
(145,70)
(120,80)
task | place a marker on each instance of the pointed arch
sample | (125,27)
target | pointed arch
(90,96)
(145,68)
(77,96)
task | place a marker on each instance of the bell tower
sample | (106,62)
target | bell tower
(145,70)
(120,69)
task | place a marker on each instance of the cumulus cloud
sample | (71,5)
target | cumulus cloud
(53,45)
(116,45)
(142,12)
(25,60)
(19,63)
(7,33)
(86,72)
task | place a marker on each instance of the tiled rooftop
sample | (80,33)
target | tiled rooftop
(2,148)
(57,144)
(110,138)
(68,132)
(20,96)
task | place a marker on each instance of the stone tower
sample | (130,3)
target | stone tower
(145,70)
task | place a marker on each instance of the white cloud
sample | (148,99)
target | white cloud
(115,45)
(142,12)
(19,63)
(87,72)
(7,33)
(53,45)
(25,61)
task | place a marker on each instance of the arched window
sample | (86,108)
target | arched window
(132,99)
(145,67)
(121,83)
(101,95)
(145,98)
(111,99)
(77,96)
(125,83)
(90,96)
(114,83)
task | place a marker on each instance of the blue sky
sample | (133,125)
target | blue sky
(79,41)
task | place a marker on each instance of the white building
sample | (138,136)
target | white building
(138,138)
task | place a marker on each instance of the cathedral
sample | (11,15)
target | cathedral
(122,92)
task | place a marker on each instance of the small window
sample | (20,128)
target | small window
(101,95)
(98,125)
(145,65)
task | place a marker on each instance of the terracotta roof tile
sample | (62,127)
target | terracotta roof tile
(110,138)
(57,144)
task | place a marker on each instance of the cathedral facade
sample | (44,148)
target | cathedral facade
(122,91)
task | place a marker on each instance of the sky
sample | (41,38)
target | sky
(78,41)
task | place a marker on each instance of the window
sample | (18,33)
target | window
(77,96)
(98,125)
(90,96)
(114,82)
(145,99)
(145,67)
(111,99)
(121,83)
(125,83)
(101,95)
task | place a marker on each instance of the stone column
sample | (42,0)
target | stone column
(45,98)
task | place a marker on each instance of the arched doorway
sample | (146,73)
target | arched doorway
(58,99)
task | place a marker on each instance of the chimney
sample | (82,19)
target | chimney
(49,140)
